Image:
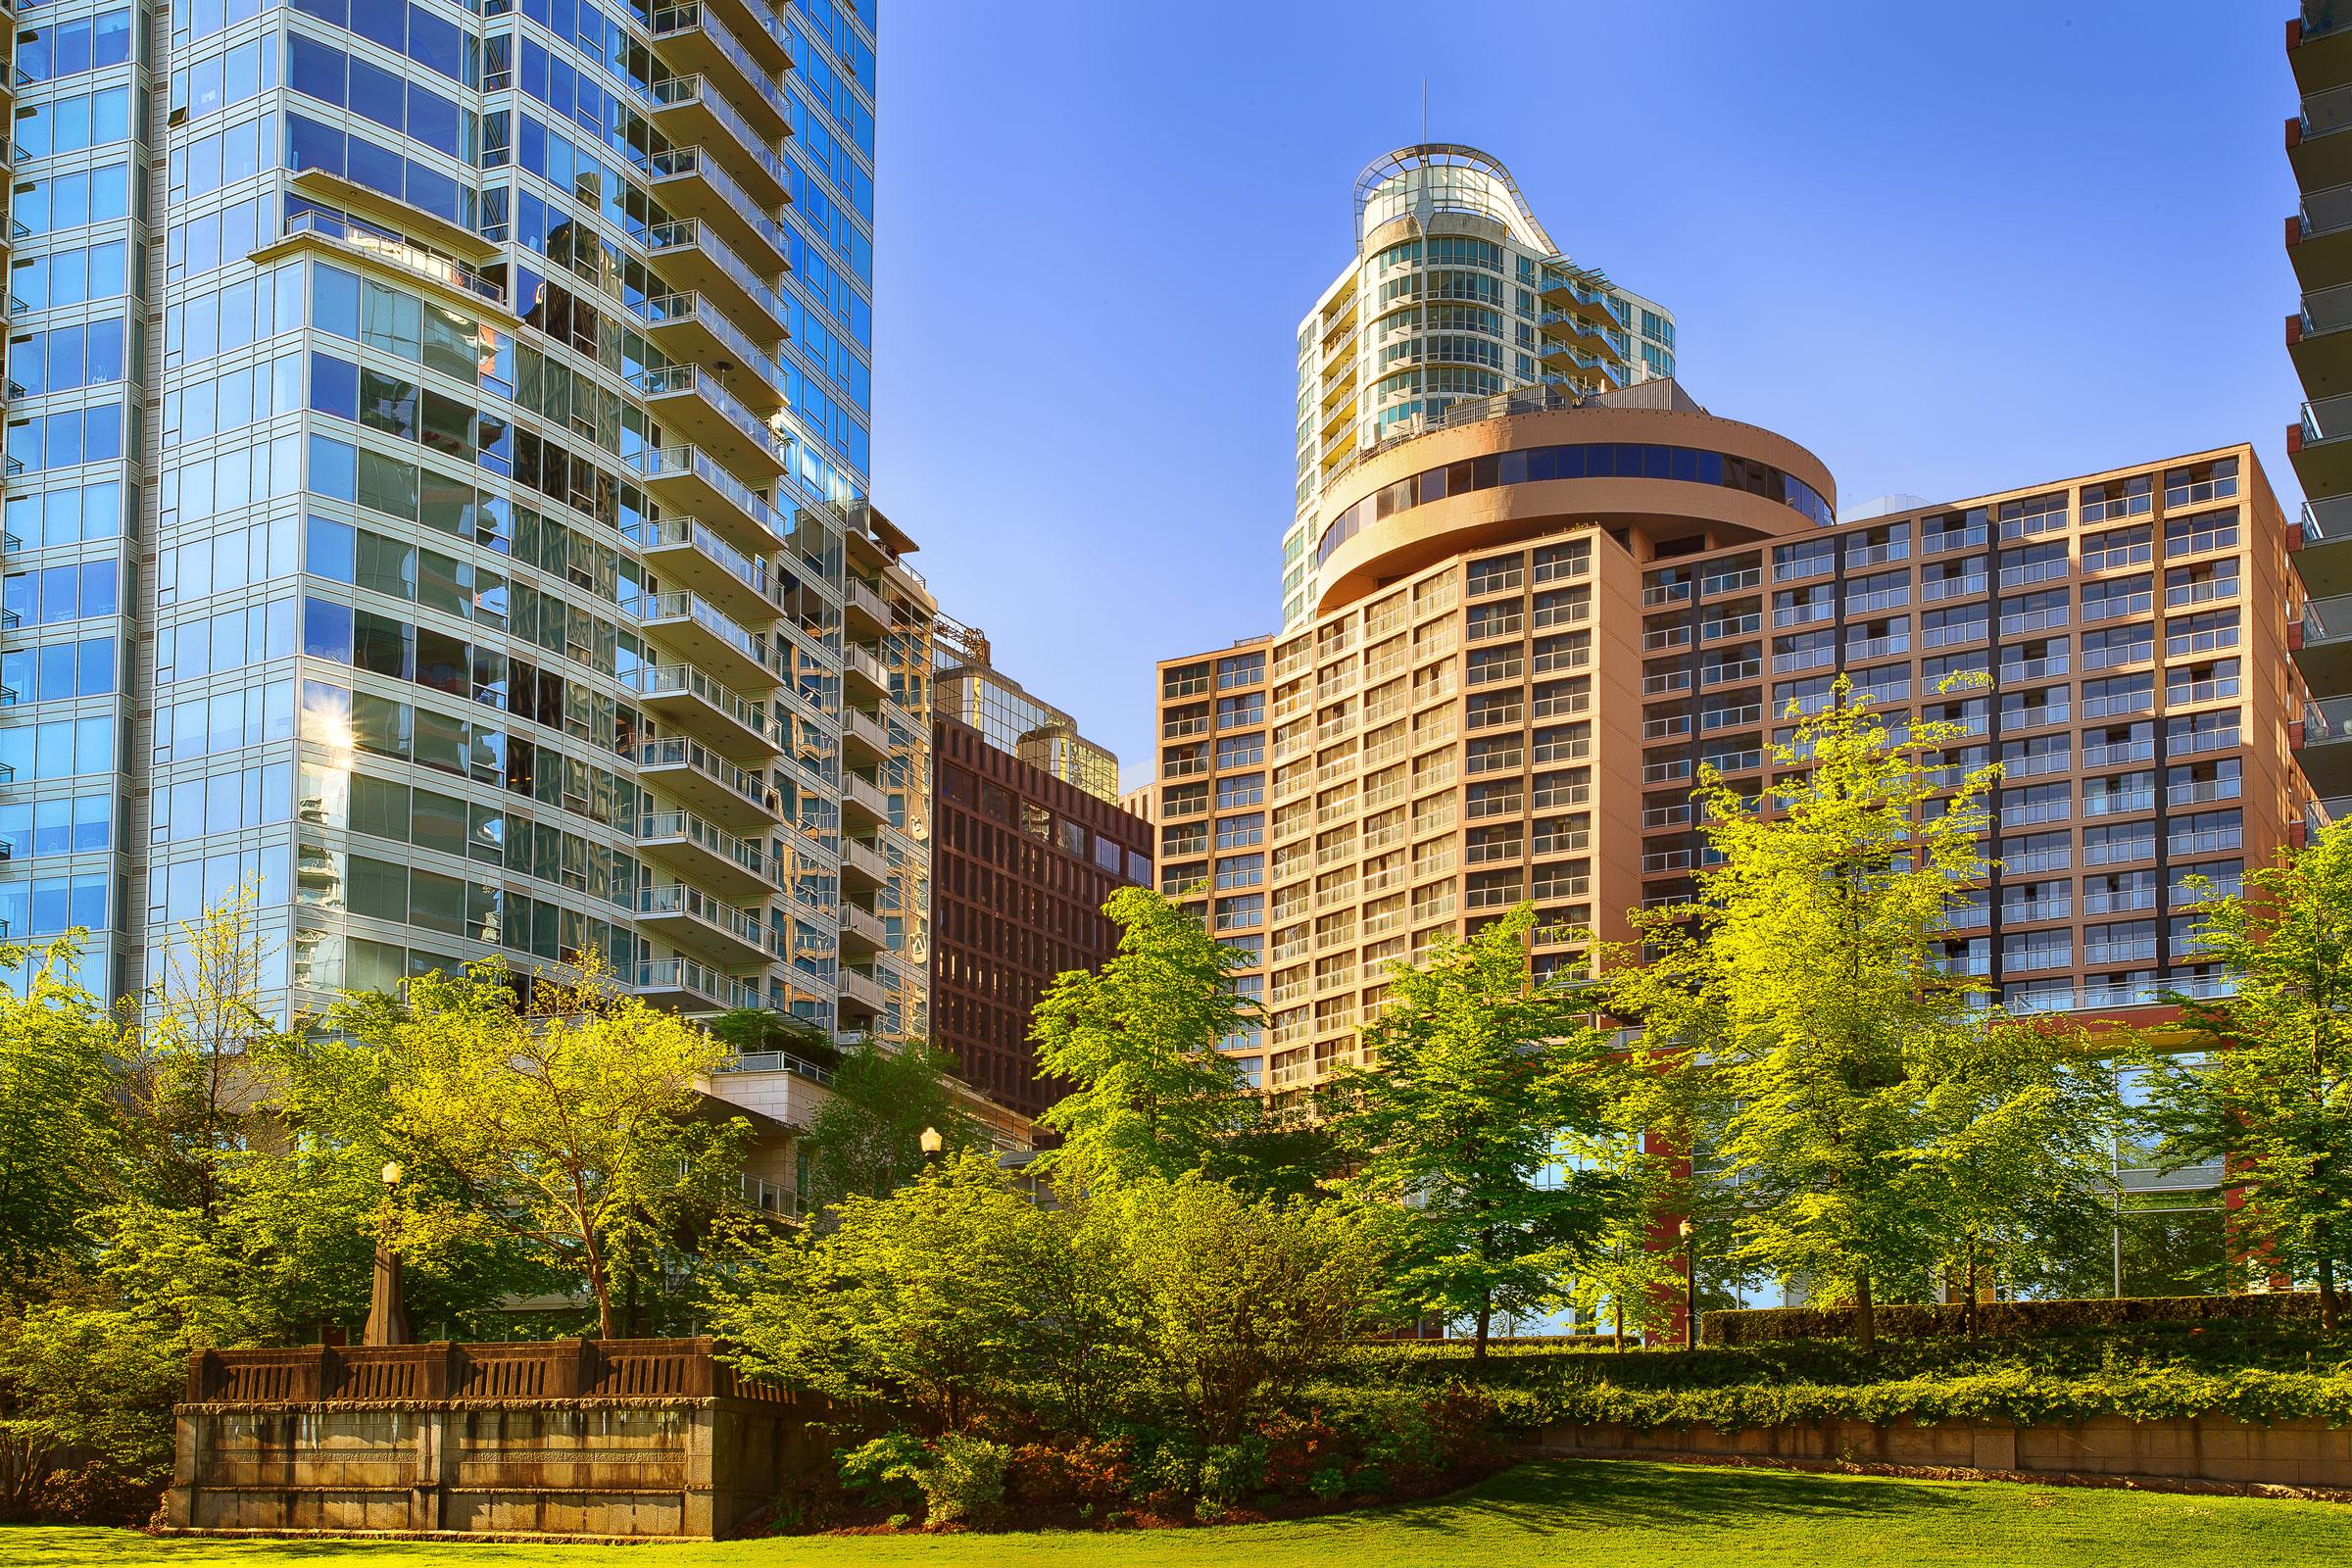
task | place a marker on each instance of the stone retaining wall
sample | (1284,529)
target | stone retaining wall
(2290,1454)
(646,1437)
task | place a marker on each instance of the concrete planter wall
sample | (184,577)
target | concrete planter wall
(2293,1453)
(644,1438)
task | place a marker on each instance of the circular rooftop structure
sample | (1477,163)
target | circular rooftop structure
(1443,177)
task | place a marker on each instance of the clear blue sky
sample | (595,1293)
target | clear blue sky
(1952,249)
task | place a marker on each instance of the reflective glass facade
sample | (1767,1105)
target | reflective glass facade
(437,442)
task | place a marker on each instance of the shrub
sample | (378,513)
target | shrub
(882,1470)
(2011,1319)
(964,1482)
(1296,1447)
(1083,1471)
(1232,1472)
(1330,1482)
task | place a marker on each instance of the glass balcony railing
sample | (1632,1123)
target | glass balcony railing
(397,250)
(674,379)
(692,235)
(684,680)
(676,750)
(674,899)
(659,463)
(695,978)
(686,533)
(663,310)
(683,605)
(681,90)
(680,161)
(717,840)
(670,20)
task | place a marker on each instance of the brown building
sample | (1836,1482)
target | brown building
(1029,842)
(1536,619)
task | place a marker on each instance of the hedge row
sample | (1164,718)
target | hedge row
(2021,1395)
(2008,1319)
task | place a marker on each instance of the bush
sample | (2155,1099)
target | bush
(964,1480)
(2011,1319)
(1084,1472)
(1231,1473)
(1296,1448)
(882,1470)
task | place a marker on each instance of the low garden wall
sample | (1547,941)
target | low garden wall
(568,1437)
(2288,1453)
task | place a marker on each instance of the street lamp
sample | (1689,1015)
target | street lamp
(932,1144)
(387,1317)
(1689,1235)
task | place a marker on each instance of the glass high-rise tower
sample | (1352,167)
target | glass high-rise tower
(437,443)
(1455,294)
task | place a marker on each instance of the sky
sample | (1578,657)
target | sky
(1950,249)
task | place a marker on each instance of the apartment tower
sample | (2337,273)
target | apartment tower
(436,460)
(1030,840)
(1534,628)
(1455,292)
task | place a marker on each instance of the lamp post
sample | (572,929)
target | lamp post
(933,1144)
(387,1317)
(1689,1235)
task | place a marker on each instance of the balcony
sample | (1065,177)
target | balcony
(692,256)
(2323,745)
(2318,146)
(2321,645)
(693,402)
(692,917)
(687,985)
(864,805)
(694,112)
(685,479)
(867,611)
(2319,339)
(709,854)
(863,673)
(2319,44)
(862,864)
(695,185)
(698,632)
(860,994)
(683,696)
(687,771)
(864,737)
(690,556)
(694,38)
(862,932)
(2319,239)
(692,330)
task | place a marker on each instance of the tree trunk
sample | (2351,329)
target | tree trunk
(1617,1339)
(2330,1301)
(1968,1311)
(1486,1320)
(1865,1326)
(601,1287)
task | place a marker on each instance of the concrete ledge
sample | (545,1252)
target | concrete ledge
(2301,1456)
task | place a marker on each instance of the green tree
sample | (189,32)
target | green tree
(1798,995)
(1477,1080)
(865,1140)
(2273,1095)
(1154,1096)
(60,1124)
(2015,1167)
(572,1123)
(1240,1299)
(1631,1271)
(931,1296)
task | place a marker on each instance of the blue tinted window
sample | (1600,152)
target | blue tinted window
(326,629)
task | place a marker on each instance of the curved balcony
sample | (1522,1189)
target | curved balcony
(690,556)
(694,185)
(684,478)
(694,112)
(691,254)
(690,916)
(689,771)
(692,402)
(694,38)
(692,328)
(865,804)
(865,737)
(862,933)
(707,853)
(863,864)
(863,673)
(862,995)
(691,986)
(683,696)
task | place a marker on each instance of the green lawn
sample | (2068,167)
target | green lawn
(1542,1515)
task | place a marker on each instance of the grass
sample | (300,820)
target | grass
(1539,1515)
